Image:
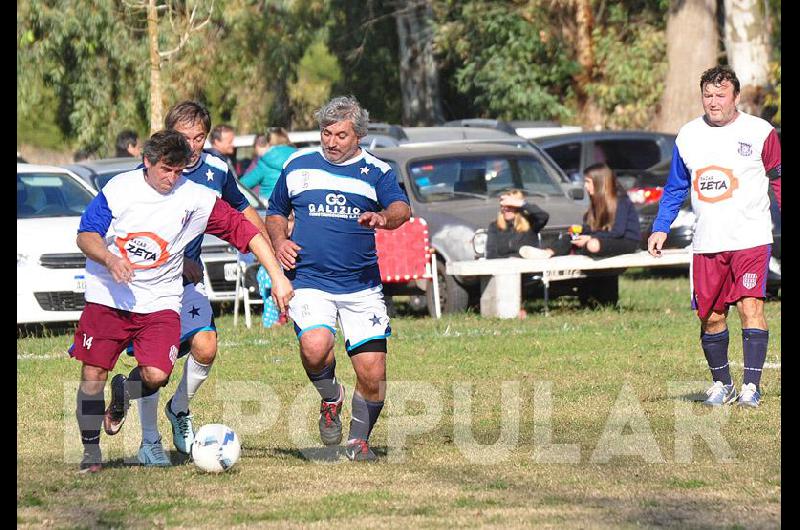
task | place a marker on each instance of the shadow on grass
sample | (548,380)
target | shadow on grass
(328,454)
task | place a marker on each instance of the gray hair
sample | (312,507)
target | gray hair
(344,108)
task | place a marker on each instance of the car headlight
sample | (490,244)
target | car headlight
(479,242)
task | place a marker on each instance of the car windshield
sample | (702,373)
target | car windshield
(50,195)
(455,178)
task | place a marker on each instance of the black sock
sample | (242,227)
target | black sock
(363,416)
(754,346)
(715,347)
(325,382)
(135,387)
(89,412)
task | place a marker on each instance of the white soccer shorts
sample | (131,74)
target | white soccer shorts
(196,314)
(362,315)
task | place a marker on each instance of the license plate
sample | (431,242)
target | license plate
(80,284)
(230,271)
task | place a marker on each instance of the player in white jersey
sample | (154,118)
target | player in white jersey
(134,233)
(339,194)
(728,159)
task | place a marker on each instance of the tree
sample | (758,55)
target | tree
(419,79)
(748,49)
(692,47)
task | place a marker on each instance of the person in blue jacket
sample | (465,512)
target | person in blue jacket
(268,168)
(610,225)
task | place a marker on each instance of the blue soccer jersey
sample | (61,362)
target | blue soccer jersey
(337,255)
(212,172)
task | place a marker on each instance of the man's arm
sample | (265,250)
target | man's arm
(392,217)
(285,249)
(94,247)
(281,288)
(251,214)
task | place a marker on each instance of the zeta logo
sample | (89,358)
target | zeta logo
(714,183)
(143,250)
(749,280)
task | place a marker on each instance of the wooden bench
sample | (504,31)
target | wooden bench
(501,294)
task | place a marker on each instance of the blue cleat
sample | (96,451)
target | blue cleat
(720,394)
(153,455)
(182,432)
(750,396)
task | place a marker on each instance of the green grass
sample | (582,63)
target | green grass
(620,385)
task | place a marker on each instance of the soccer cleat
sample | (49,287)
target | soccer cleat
(153,455)
(720,394)
(182,431)
(330,425)
(118,408)
(358,450)
(91,461)
(750,396)
(529,252)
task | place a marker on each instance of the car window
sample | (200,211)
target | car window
(463,177)
(102,179)
(50,195)
(626,154)
(567,156)
(251,198)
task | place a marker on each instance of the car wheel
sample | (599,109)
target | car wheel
(453,298)
(599,291)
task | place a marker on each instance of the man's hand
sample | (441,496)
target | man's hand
(192,270)
(580,241)
(282,292)
(121,269)
(372,220)
(286,252)
(655,242)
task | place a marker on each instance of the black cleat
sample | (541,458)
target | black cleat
(118,408)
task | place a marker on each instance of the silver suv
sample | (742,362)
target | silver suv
(455,188)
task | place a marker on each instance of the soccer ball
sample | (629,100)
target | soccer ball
(216,448)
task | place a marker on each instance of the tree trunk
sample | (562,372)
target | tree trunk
(591,114)
(156,104)
(419,80)
(747,45)
(692,43)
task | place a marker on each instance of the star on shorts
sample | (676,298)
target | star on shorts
(194,311)
(375,319)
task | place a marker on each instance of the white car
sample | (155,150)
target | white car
(50,266)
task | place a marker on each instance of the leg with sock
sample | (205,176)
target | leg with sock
(368,399)
(714,339)
(755,340)
(89,413)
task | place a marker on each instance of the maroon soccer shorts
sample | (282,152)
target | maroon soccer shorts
(103,333)
(722,278)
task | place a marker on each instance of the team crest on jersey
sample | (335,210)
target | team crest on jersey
(714,183)
(745,149)
(173,354)
(749,280)
(143,250)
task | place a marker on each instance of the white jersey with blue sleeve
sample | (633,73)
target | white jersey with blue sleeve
(150,230)
(337,255)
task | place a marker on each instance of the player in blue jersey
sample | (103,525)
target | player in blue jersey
(340,194)
(198,333)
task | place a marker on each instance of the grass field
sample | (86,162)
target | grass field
(577,419)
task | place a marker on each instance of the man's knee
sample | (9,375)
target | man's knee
(715,322)
(204,347)
(153,377)
(93,379)
(315,346)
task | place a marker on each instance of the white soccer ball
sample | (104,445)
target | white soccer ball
(216,448)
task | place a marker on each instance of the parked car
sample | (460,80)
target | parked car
(640,159)
(219,258)
(50,267)
(455,188)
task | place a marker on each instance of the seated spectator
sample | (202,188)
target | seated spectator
(268,168)
(610,225)
(517,226)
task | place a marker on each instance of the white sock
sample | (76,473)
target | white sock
(148,416)
(194,374)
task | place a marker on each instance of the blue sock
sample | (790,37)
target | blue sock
(754,345)
(325,382)
(715,348)
(364,415)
